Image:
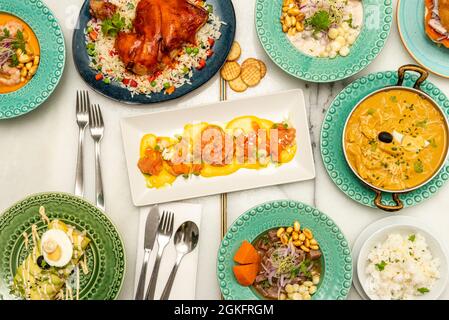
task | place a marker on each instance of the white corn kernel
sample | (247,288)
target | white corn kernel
(333,33)
(289,288)
(344,51)
(306,296)
(302,289)
(336,46)
(282,297)
(296,296)
(296,287)
(351,39)
(341,40)
(308,283)
(316,279)
(312,290)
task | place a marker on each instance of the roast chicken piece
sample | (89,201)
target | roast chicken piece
(161,27)
(102,9)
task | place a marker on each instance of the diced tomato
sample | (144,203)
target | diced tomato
(209,53)
(99,77)
(126,81)
(152,78)
(133,84)
(211,42)
(201,65)
(112,53)
(93,35)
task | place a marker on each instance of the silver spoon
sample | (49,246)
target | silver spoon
(186,239)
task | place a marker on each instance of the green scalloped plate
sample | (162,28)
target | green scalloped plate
(336,254)
(375,31)
(332,133)
(51,41)
(105,254)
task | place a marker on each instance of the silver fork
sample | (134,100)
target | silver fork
(82,119)
(96,131)
(164,233)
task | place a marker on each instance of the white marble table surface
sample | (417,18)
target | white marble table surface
(38,151)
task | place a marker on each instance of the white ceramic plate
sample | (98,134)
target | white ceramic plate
(275,107)
(378,232)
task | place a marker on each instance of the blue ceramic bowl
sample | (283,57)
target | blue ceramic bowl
(222,8)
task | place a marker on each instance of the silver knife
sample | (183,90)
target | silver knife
(150,236)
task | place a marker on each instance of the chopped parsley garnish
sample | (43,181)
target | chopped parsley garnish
(422,124)
(381,266)
(371,111)
(423,290)
(412,238)
(418,166)
(320,21)
(111,27)
(393,99)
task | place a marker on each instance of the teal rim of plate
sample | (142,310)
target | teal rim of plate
(107,275)
(52,57)
(332,133)
(336,279)
(377,22)
(410,18)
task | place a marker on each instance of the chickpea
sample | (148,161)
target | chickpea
(280,232)
(23,72)
(308,233)
(32,71)
(295,235)
(299,27)
(297,243)
(302,237)
(304,248)
(307,243)
(314,247)
(289,230)
(297,226)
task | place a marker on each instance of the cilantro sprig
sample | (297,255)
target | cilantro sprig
(320,21)
(111,27)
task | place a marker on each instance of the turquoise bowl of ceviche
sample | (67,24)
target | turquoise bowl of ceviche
(32,56)
(108,57)
(284,270)
(323,40)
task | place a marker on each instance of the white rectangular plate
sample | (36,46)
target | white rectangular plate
(275,107)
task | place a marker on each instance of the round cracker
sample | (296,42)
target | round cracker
(263,69)
(238,85)
(230,70)
(235,52)
(251,75)
(251,62)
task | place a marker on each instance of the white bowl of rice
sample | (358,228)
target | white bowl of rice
(403,262)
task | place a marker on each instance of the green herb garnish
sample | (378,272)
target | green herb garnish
(418,166)
(412,238)
(381,266)
(111,27)
(320,21)
(423,290)
(422,124)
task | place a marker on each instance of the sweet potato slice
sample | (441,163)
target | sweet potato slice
(246,274)
(247,254)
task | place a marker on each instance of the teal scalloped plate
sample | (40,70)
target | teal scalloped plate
(410,17)
(51,41)
(105,254)
(376,28)
(335,283)
(332,133)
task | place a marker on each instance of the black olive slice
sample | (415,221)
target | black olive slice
(385,137)
(42,263)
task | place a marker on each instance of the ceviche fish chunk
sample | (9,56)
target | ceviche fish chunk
(401,268)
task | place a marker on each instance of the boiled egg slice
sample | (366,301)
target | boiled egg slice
(57,248)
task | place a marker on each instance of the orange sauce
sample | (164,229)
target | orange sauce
(32,42)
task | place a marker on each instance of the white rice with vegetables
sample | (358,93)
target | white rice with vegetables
(110,68)
(401,268)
